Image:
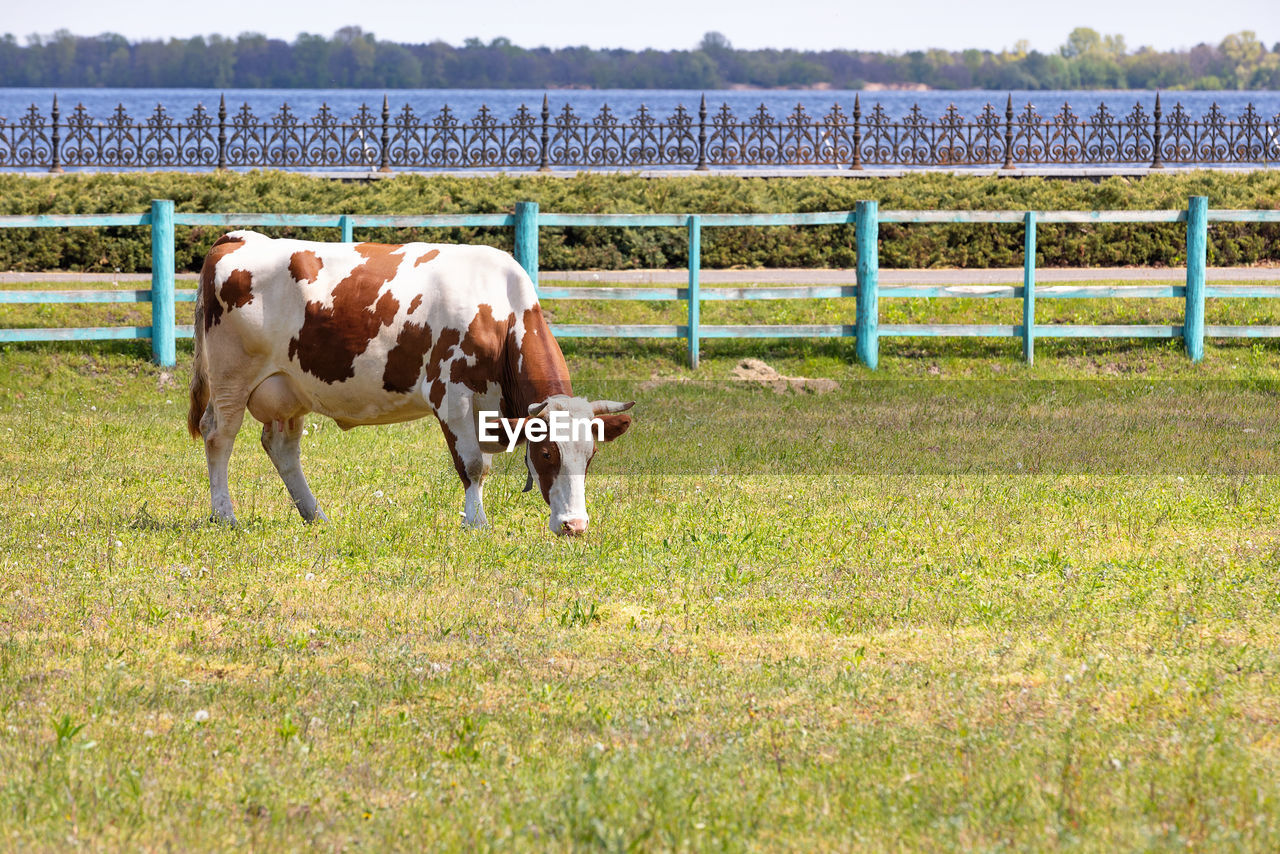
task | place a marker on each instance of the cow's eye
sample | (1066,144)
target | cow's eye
(546,455)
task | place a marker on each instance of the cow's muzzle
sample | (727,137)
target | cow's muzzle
(572,527)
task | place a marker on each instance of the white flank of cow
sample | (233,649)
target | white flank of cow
(371,333)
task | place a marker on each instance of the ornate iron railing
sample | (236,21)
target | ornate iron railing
(544,140)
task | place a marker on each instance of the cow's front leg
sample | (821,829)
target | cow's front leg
(472,465)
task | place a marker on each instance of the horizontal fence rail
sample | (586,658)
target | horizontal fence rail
(865,327)
(538,139)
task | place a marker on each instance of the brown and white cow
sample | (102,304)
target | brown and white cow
(371,333)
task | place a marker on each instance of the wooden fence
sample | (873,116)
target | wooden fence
(865,328)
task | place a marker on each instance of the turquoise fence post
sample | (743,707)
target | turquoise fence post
(867,238)
(1197,252)
(527,239)
(1029,287)
(695,272)
(163,342)
(348,226)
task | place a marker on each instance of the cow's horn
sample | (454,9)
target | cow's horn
(604,407)
(536,409)
(528,482)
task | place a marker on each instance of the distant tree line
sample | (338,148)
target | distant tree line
(353,58)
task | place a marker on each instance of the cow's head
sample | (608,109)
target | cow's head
(558,461)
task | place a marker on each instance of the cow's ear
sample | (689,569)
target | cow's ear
(614,425)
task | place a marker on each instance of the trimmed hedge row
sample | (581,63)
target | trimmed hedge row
(953,245)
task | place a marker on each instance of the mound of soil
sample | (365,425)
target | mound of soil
(756,371)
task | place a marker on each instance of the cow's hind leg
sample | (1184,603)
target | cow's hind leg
(280,409)
(218,426)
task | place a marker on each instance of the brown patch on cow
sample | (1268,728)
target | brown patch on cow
(413,306)
(483,345)
(436,394)
(305,266)
(452,441)
(546,464)
(542,370)
(405,360)
(448,339)
(210,307)
(332,337)
(427,257)
(237,290)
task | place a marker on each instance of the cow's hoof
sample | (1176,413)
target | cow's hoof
(317,516)
(224,521)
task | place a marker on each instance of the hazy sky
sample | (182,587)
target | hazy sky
(858,24)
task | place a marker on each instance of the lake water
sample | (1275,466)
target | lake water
(624,102)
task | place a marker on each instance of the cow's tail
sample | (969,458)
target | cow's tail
(199,369)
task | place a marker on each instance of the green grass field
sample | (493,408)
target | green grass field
(959,603)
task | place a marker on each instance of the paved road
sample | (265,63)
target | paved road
(998,276)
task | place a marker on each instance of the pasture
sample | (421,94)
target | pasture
(958,603)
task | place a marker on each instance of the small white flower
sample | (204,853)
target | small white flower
(1068,678)
(1116,763)
(310,576)
(201,716)
(148,733)
(170,402)
(305,432)
(1180,480)
(119,544)
(93,409)
(377,493)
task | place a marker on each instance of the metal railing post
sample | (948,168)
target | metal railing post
(695,299)
(385,142)
(544,143)
(222,132)
(348,226)
(857,133)
(163,344)
(702,135)
(1197,253)
(867,238)
(55,146)
(1157,160)
(1008,134)
(1029,287)
(526,239)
